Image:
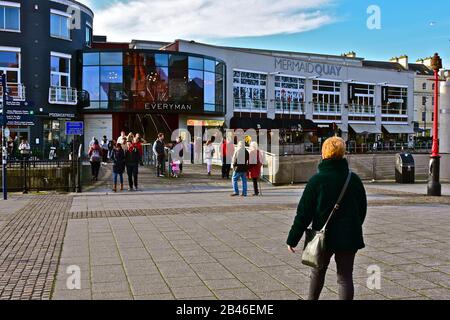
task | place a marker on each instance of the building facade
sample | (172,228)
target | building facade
(364,100)
(39,41)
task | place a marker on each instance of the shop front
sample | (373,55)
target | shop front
(54,134)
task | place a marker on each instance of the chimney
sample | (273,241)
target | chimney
(402,60)
(425,61)
(351,54)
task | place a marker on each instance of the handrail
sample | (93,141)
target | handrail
(15,91)
(63,95)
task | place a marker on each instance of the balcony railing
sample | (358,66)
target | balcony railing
(16,91)
(361,109)
(250,105)
(63,95)
(327,108)
(388,110)
(289,107)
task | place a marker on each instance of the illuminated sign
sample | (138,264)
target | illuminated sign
(205,123)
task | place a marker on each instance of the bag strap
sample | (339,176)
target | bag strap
(338,202)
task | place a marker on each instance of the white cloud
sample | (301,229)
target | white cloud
(207,19)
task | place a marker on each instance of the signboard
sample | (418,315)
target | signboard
(20,117)
(205,123)
(320,69)
(18,104)
(74,128)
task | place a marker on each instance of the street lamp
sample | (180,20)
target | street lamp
(434,186)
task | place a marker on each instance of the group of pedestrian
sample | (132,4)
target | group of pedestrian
(246,165)
(126,154)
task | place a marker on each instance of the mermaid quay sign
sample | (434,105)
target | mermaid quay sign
(319,69)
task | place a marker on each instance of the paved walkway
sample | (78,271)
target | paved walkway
(192,241)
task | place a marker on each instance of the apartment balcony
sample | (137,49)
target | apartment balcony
(250,105)
(289,107)
(15,91)
(63,95)
(327,108)
(361,110)
(393,111)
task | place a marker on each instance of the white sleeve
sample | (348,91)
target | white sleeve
(154,148)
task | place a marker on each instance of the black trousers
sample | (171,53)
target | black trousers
(160,164)
(95,168)
(255,185)
(132,172)
(344,265)
(226,167)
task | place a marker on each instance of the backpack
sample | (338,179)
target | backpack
(95,157)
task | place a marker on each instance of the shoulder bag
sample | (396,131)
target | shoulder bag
(315,240)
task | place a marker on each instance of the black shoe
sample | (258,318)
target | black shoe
(234,195)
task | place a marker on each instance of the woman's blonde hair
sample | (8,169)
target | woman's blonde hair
(333,148)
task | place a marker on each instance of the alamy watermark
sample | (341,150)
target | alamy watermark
(73,281)
(374,19)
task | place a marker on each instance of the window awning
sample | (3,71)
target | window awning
(398,128)
(250,123)
(365,128)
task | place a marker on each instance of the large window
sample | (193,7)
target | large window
(289,94)
(395,101)
(146,80)
(361,98)
(249,91)
(9,16)
(10,65)
(59,70)
(327,97)
(59,25)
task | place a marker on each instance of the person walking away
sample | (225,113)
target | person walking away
(138,143)
(227,151)
(95,159)
(255,164)
(240,162)
(159,152)
(91,143)
(104,145)
(209,154)
(122,139)
(344,235)
(132,159)
(111,146)
(118,158)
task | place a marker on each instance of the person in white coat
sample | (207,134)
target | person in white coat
(209,154)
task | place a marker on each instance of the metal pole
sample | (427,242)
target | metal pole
(434,186)
(4,149)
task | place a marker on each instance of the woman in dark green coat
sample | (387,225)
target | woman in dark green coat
(344,235)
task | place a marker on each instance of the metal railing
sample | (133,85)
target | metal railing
(286,106)
(250,105)
(388,110)
(16,91)
(38,175)
(361,109)
(327,108)
(63,95)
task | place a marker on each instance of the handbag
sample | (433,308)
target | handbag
(312,255)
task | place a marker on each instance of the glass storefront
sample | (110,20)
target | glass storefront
(55,136)
(151,81)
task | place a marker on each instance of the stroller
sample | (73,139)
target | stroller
(175,165)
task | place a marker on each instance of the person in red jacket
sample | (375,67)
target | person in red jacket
(255,164)
(138,143)
(226,151)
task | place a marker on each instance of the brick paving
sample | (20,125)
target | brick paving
(30,245)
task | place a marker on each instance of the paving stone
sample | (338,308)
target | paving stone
(235,294)
(224,284)
(126,295)
(105,287)
(191,292)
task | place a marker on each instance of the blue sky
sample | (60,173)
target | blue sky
(410,27)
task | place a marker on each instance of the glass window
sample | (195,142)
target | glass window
(210,65)
(424,86)
(249,90)
(9,59)
(209,107)
(59,26)
(161,60)
(195,63)
(59,64)
(178,61)
(210,88)
(91,59)
(91,82)
(111,58)
(9,18)
(111,79)
(88,40)
(195,86)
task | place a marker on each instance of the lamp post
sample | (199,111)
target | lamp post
(434,186)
